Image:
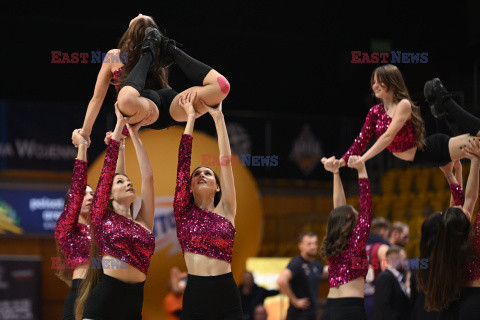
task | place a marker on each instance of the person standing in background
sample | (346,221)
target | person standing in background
(301,278)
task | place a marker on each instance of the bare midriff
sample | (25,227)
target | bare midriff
(353,289)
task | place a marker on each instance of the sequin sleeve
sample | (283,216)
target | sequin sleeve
(182,194)
(69,217)
(361,142)
(476,236)
(457,193)
(361,230)
(104,187)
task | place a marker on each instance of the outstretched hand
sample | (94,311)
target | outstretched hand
(356,162)
(147,120)
(214,112)
(472,149)
(85,137)
(185,101)
(77,138)
(331,164)
(108,137)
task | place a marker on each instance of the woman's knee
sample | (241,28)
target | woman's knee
(219,82)
(127,101)
(224,85)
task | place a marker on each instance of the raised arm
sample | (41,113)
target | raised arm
(361,142)
(333,166)
(361,230)
(146,213)
(229,198)
(402,114)
(69,218)
(121,153)
(104,187)
(182,189)
(457,198)
(101,87)
(471,191)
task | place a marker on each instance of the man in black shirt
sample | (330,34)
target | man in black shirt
(301,278)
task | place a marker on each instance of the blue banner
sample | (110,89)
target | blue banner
(29,212)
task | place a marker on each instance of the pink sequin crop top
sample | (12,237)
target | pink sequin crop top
(115,234)
(349,264)
(115,77)
(472,264)
(377,122)
(73,237)
(199,231)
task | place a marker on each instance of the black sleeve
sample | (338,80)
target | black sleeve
(413,288)
(269,293)
(383,297)
(295,266)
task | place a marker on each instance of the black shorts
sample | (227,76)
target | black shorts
(162,99)
(68,306)
(344,309)
(114,299)
(212,298)
(435,153)
(465,308)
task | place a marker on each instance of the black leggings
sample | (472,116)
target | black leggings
(435,153)
(68,307)
(344,309)
(212,298)
(115,299)
(466,308)
(162,99)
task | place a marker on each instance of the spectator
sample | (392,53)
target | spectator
(172,303)
(377,247)
(392,289)
(252,295)
(301,278)
(399,234)
(260,313)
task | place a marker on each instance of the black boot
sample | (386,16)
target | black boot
(436,94)
(151,42)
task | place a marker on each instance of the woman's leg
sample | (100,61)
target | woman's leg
(456,144)
(210,85)
(441,102)
(444,127)
(129,98)
(466,121)
(211,93)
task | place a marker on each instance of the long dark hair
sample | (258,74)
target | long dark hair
(391,76)
(65,273)
(445,243)
(94,274)
(341,222)
(129,45)
(92,278)
(218,195)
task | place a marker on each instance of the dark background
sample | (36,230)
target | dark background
(288,62)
